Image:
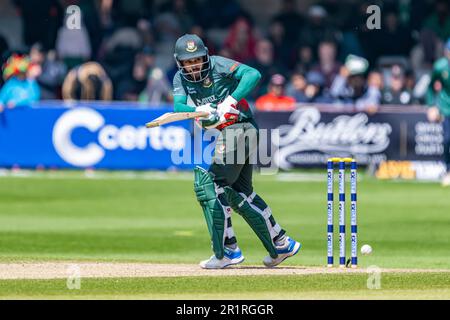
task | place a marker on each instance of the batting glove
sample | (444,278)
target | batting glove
(227,106)
(212,112)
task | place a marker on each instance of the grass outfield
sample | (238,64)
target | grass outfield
(153,217)
(346,286)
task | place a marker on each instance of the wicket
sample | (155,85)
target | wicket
(330,229)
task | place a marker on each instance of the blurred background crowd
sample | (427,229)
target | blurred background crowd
(307,51)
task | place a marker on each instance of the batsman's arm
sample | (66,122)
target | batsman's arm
(180,104)
(248,79)
(180,96)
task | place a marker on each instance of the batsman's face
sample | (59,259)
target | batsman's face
(193,67)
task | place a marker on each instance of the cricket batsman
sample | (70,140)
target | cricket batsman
(218,86)
(439,103)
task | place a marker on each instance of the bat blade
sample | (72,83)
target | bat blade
(174,116)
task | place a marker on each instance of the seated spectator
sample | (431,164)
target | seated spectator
(395,92)
(303,59)
(327,65)
(53,72)
(275,99)
(412,86)
(349,85)
(371,99)
(88,81)
(264,62)
(21,88)
(296,87)
(315,91)
(158,89)
(241,41)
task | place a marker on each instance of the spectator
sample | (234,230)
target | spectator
(371,99)
(275,99)
(53,72)
(73,45)
(119,54)
(392,33)
(129,12)
(126,37)
(91,19)
(265,64)
(131,86)
(199,31)
(241,41)
(41,20)
(105,15)
(304,59)
(367,37)
(428,49)
(315,91)
(158,89)
(296,87)
(88,81)
(317,29)
(20,87)
(290,20)
(349,84)
(173,21)
(328,66)
(395,92)
(413,87)
(439,21)
(282,47)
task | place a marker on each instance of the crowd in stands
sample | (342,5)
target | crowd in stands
(326,54)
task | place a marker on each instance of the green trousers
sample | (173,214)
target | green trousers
(234,156)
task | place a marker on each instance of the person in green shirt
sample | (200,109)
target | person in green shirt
(218,86)
(438,102)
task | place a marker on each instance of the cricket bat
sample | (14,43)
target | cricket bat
(175,116)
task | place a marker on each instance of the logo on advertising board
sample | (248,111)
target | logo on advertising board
(411,170)
(350,134)
(108,137)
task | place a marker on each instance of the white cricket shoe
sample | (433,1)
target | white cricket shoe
(231,256)
(290,248)
(446,180)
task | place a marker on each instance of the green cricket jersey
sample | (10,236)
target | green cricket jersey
(226,77)
(441,72)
